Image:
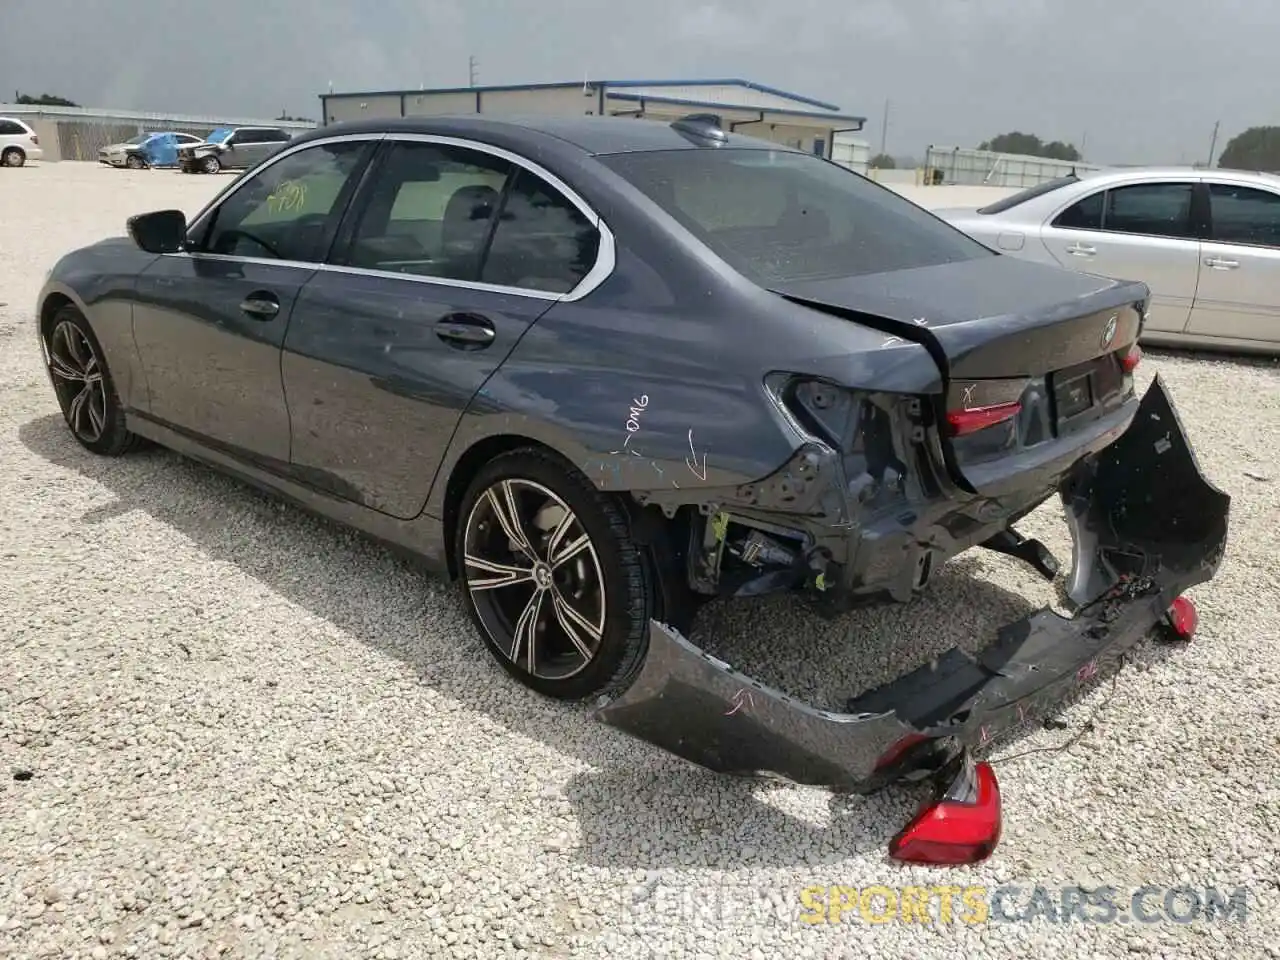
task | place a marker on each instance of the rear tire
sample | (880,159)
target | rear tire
(564,604)
(13,157)
(83,386)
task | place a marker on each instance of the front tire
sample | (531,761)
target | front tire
(83,385)
(553,579)
(135,162)
(210,165)
(13,157)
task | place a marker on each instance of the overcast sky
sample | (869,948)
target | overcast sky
(1138,80)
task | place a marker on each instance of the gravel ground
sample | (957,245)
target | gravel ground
(235,730)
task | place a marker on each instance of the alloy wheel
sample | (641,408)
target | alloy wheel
(535,579)
(77,379)
(210,165)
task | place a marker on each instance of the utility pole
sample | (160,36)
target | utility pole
(471,69)
(1213,144)
(884,127)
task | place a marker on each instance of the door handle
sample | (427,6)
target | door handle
(466,331)
(1081,250)
(1217,263)
(260,305)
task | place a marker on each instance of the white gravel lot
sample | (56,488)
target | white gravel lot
(251,734)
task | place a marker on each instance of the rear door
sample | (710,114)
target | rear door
(448,257)
(1142,231)
(1239,293)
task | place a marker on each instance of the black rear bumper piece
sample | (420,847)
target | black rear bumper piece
(1146,525)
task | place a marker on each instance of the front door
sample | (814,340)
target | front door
(1143,231)
(390,344)
(209,323)
(1239,293)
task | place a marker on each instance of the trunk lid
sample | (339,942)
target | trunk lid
(1032,357)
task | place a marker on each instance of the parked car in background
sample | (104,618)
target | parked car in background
(1205,241)
(232,148)
(18,143)
(132,153)
(601,370)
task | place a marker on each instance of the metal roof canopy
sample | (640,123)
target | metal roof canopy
(824,111)
(730,112)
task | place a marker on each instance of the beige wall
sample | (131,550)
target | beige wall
(563,101)
(437,104)
(359,108)
(47,131)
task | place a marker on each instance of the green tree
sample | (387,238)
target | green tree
(43,100)
(1028,144)
(1258,148)
(882,161)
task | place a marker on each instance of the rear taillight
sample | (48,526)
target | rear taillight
(962,422)
(1183,618)
(1131,359)
(960,827)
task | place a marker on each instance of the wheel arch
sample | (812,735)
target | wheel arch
(463,472)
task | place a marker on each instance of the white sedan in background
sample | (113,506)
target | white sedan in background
(1207,243)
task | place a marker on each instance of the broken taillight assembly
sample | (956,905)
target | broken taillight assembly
(962,826)
(962,422)
(1131,359)
(1183,618)
(35,139)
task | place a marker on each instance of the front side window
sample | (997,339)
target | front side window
(542,241)
(1244,215)
(285,211)
(429,211)
(780,217)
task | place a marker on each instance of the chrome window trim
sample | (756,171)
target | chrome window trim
(601,270)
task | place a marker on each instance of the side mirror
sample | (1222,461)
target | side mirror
(164,231)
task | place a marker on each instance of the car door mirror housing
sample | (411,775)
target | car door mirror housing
(164,231)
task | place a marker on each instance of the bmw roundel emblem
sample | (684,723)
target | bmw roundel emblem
(1109,331)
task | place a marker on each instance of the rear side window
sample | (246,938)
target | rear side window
(1244,215)
(1150,209)
(1085,214)
(11,128)
(780,217)
(542,241)
(429,212)
(1143,209)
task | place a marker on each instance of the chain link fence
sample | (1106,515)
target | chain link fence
(79,133)
(951,166)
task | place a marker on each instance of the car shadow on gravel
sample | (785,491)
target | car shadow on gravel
(698,818)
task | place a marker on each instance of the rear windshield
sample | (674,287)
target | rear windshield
(1022,196)
(779,216)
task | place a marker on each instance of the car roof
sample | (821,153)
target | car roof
(1174,171)
(591,134)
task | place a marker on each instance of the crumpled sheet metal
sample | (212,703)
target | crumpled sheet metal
(1146,526)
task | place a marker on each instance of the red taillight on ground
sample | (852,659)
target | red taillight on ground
(1183,618)
(961,827)
(1131,359)
(962,422)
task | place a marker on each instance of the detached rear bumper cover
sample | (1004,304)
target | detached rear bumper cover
(1146,526)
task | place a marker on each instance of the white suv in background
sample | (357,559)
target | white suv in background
(18,143)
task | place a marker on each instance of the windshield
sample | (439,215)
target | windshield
(140,138)
(1022,196)
(220,134)
(780,216)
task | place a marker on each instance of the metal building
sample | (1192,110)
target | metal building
(749,108)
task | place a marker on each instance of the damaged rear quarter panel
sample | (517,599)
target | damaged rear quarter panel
(644,389)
